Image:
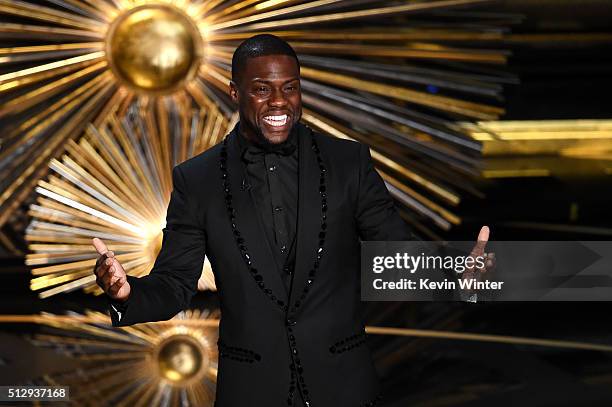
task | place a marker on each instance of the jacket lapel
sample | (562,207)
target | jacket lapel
(309,217)
(250,225)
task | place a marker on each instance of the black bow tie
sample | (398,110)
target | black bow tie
(255,153)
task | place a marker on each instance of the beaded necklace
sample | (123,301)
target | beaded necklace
(242,245)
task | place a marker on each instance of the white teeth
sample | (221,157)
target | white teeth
(283,117)
(276,121)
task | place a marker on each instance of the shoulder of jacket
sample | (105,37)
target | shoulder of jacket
(199,165)
(336,143)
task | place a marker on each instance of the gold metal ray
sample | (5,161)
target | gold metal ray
(197,11)
(67,217)
(159,150)
(38,32)
(448,217)
(164,134)
(374,35)
(229,12)
(293,9)
(12,54)
(27,100)
(341,16)
(406,51)
(100,9)
(501,339)
(109,8)
(30,75)
(236,11)
(469,109)
(131,166)
(36,11)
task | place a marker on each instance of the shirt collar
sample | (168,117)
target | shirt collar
(243,143)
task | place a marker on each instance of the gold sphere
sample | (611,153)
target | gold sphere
(181,358)
(154,48)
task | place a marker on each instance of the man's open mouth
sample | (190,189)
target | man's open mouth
(276,121)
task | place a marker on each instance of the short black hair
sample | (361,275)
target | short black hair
(258,46)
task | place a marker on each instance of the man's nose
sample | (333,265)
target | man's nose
(278,98)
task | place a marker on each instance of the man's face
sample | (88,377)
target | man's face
(269,98)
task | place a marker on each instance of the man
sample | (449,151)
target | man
(280,211)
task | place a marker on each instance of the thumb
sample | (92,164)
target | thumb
(99,245)
(481,241)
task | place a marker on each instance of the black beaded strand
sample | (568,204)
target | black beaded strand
(296,366)
(240,242)
(374,402)
(322,232)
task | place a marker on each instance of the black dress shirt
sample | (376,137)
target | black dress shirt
(272,179)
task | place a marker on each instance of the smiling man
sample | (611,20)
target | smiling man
(267,91)
(280,211)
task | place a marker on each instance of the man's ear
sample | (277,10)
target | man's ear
(233,91)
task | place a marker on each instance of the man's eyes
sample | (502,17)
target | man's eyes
(266,89)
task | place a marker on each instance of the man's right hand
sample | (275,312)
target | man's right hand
(110,275)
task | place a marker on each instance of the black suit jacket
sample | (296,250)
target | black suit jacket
(314,342)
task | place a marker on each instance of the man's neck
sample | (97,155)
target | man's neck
(262,142)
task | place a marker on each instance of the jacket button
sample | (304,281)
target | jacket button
(290,322)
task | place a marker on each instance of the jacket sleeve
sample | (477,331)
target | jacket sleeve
(376,214)
(173,279)
(379,220)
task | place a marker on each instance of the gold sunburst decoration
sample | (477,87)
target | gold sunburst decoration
(394,75)
(170,363)
(114,183)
